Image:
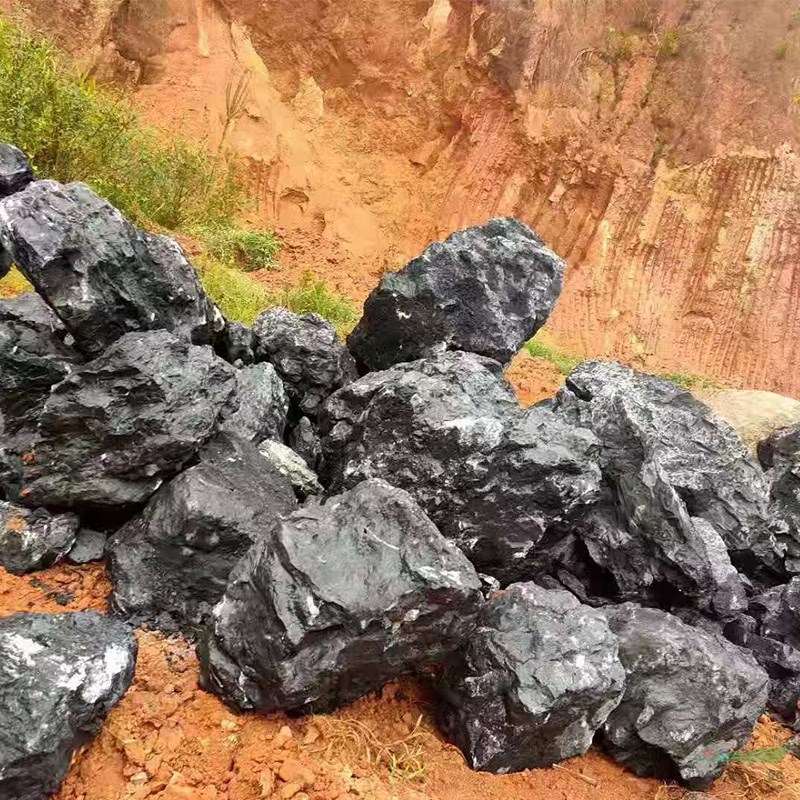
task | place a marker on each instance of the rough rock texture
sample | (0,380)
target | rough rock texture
(103,277)
(304,349)
(33,357)
(297,631)
(691,697)
(60,675)
(90,545)
(235,343)
(15,170)
(117,427)
(33,539)
(495,479)
(679,489)
(170,565)
(293,466)
(779,454)
(305,441)
(533,684)
(258,408)
(780,661)
(485,290)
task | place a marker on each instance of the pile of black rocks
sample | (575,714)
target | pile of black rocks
(610,565)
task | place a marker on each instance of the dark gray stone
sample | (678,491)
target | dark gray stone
(485,290)
(534,682)
(90,545)
(235,343)
(779,454)
(691,697)
(33,357)
(117,427)
(496,479)
(170,565)
(304,349)
(33,539)
(60,675)
(340,599)
(15,170)
(680,489)
(777,612)
(780,661)
(103,277)
(288,463)
(257,410)
(305,441)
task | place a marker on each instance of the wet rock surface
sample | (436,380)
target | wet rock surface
(495,478)
(691,697)
(32,539)
(297,631)
(117,427)
(60,675)
(103,277)
(34,356)
(307,354)
(536,680)
(15,170)
(170,565)
(258,407)
(683,505)
(485,290)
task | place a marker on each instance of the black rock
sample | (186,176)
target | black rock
(305,441)
(117,427)
(33,357)
(304,349)
(485,290)
(496,479)
(777,612)
(33,539)
(235,343)
(103,277)
(340,599)
(15,170)
(170,565)
(258,408)
(780,456)
(60,675)
(780,661)
(680,489)
(90,545)
(533,684)
(691,697)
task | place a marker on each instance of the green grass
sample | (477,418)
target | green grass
(562,361)
(313,295)
(249,250)
(669,43)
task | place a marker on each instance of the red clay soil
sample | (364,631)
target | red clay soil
(168,740)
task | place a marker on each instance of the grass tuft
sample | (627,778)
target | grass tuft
(313,296)
(249,250)
(562,361)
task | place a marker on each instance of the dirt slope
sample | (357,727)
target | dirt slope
(653,143)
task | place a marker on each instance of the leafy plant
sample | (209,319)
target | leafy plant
(250,250)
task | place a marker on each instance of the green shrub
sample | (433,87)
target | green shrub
(74,130)
(250,250)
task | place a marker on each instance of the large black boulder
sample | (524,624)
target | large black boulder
(485,290)
(496,479)
(307,354)
(15,170)
(340,599)
(117,427)
(102,276)
(170,565)
(34,355)
(680,489)
(691,697)
(257,410)
(779,454)
(60,675)
(533,684)
(32,539)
